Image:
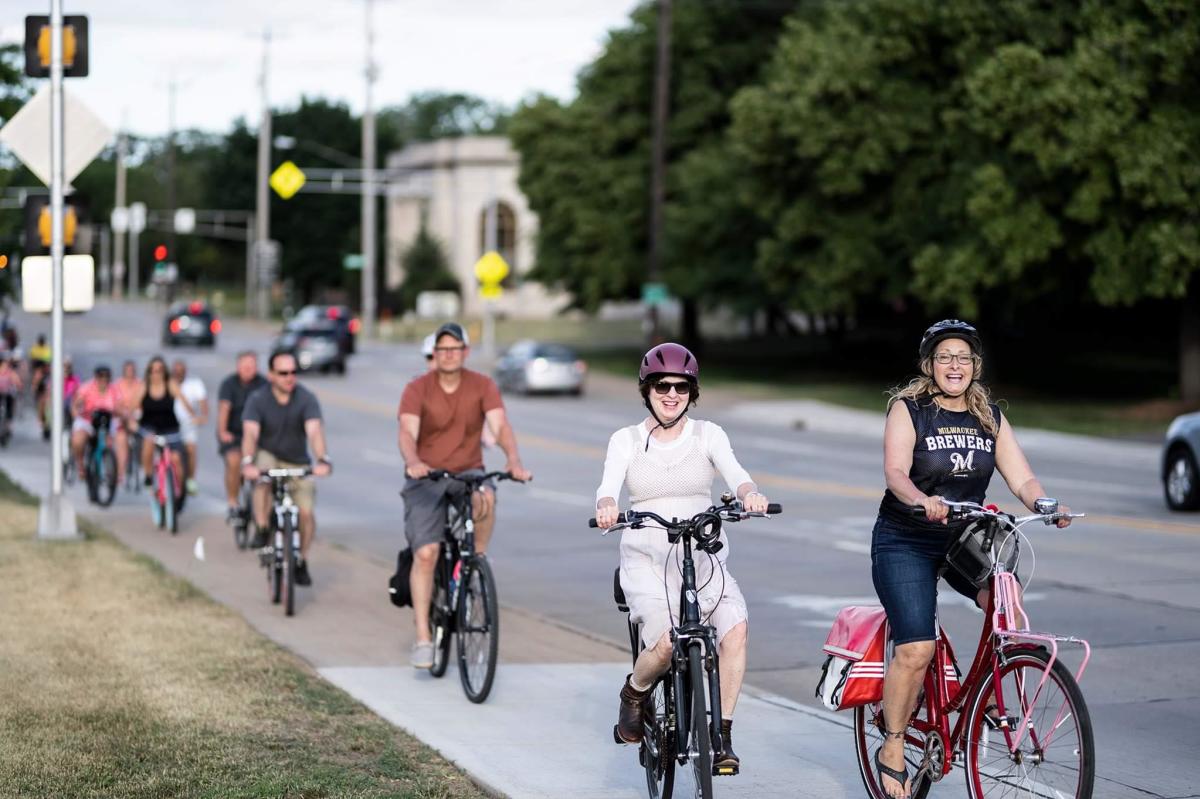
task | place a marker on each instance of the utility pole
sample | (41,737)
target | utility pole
(262,209)
(658,169)
(56,517)
(172,87)
(119,239)
(369,200)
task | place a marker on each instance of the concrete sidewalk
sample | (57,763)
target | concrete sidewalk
(546,729)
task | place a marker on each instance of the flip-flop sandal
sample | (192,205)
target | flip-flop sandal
(901,777)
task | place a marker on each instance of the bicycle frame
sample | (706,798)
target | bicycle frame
(1005,630)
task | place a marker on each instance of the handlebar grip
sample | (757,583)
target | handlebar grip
(622,518)
(592,522)
(774,507)
(916,510)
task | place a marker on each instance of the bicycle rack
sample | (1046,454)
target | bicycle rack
(1007,611)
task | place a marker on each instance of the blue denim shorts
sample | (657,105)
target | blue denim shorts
(904,567)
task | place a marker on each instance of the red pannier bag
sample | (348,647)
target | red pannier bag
(856,646)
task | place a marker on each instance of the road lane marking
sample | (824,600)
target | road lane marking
(858,547)
(565,497)
(803,485)
(382,458)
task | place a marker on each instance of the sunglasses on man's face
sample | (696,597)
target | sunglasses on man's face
(664,387)
(287,373)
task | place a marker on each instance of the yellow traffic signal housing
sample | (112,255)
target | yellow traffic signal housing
(37,224)
(75,46)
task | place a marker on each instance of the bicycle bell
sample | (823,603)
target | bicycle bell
(1045,505)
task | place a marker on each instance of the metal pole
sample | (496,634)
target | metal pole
(250,223)
(658,174)
(119,240)
(134,288)
(56,517)
(368,187)
(262,208)
(171,198)
(489,245)
(105,263)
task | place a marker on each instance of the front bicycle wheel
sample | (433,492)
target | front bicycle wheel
(868,739)
(478,629)
(106,482)
(91,473)
(170,517)
(440,618)
(289,569)
(1056,753)
(700,750)
(657,752)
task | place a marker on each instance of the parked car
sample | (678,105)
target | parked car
(534,366)
(190,322)
(343,320)
(315,346)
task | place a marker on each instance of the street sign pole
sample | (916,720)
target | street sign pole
(56,517)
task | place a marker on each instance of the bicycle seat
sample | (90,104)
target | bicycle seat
(619,592)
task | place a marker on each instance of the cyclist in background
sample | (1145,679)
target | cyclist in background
(281,425)
(98,394)
(442,414)
(156,409)
(668,462)
(197,396)
(231,399)
(39,373)
(943,438)
(131,388)
(10,386)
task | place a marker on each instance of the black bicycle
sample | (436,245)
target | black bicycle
(683,715)
(464,592)
(282,555)
(100,461)
(242,519)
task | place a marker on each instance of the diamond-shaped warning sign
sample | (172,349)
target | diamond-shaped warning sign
(287,180)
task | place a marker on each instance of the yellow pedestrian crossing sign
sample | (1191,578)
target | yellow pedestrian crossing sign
(490,269)
(287,179)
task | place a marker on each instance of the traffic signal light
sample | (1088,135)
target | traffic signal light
(37,224)
(160,253)
(75,46)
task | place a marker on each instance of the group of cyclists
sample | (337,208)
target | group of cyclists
(943,439)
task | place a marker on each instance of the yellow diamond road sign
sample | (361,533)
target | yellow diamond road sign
(491,268)
(490,292)
(287,180)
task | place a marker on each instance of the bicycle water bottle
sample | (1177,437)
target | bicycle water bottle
(454,576)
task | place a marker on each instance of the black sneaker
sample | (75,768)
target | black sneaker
(233,515)
(148,481)
(260,539)
(302,577)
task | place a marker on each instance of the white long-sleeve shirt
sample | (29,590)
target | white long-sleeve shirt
(713,441)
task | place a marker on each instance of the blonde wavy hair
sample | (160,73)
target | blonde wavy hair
(979,399)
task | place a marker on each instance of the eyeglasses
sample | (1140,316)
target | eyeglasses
(664,387)
(288,373)
(963,358)
(448,349)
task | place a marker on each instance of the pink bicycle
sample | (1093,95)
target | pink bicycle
(168,495)
(1023,729)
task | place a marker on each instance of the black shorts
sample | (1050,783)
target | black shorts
(222,447)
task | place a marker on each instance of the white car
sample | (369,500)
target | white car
(1180,475)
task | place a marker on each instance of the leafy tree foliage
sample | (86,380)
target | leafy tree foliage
(426,268)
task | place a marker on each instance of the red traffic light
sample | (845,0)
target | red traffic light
(160,252)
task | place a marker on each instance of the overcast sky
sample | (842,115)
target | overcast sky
(501,50)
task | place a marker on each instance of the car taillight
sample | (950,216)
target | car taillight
(215,326)
(332,313)
(355,324)
(195,308)
(176,326)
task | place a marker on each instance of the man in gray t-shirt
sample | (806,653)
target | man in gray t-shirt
(281,423)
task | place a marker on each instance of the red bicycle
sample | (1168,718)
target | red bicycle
(1023,729)
(168,496)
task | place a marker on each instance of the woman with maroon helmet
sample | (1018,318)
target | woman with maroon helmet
(668,462)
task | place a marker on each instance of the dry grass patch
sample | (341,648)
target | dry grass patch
(118,680)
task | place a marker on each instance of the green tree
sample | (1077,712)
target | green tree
(439,115)
(426,268)
(14,92)
(585,166)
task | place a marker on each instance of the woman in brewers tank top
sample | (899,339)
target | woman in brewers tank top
(668,462)
(155,402)
(943,439)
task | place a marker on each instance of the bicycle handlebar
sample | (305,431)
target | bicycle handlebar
(267,475)
(973,510)
(731,512)
(467,477)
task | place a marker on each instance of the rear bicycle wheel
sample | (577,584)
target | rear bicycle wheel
(1056,753)
(657,751)
(700,742)
(478,628)
(106,482)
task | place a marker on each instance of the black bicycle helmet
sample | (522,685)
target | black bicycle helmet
(949,328)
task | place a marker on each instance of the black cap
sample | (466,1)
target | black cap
(453,329)
(102,369)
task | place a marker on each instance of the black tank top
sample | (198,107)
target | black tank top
(954,457)
(159,414)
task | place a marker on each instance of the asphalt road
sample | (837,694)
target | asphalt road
(1125,578)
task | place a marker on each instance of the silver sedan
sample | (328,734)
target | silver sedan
(1180,476)
(533,366)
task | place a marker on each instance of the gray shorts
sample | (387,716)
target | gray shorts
(425,503)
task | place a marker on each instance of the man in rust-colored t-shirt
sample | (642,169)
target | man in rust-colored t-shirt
(442,414)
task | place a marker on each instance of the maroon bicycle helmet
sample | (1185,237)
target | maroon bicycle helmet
(669,359)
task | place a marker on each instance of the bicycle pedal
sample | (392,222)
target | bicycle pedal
(725,771)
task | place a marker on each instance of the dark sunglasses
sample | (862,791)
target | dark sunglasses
(288,373)
(665,386)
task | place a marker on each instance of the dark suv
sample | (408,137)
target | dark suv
(190,323)
(344,323)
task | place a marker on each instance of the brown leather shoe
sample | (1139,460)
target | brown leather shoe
(629,726)
(726,763)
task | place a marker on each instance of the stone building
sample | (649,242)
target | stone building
(447,185)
